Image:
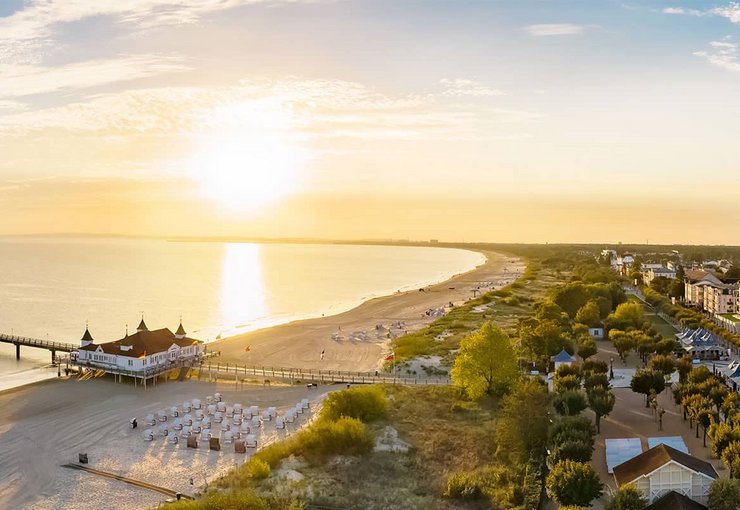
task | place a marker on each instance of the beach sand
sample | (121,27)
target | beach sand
(45,425)
(299,344)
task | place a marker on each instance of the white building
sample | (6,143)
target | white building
(142,354)
(662,469)
(696,281)
(650,274)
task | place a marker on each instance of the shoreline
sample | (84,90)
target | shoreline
(300,343)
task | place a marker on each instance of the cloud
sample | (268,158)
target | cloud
(731,12)
(24,80)
(556,29)
(28,32)
(461,87)
(303,110)
(723,54)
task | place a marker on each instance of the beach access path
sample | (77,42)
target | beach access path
(301,343)
(45,425)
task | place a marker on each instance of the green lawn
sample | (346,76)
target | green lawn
(660,325)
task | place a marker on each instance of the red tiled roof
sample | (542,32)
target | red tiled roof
(142,343)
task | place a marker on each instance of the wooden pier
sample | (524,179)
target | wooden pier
(49,345)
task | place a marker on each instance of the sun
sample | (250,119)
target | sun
(247,168)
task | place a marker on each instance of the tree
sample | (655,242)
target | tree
(522,427)
(661,284)
(589,314)
(731,458)
(593,380)
(645,343)
(574,483)
(601,401)
(566,383)
(576,450)
(622,342)
(665,346)
(569,402)
(486,363)
(699,375)
(663,364)
(627,316)
(645,380)
(627,497)
(595,366)
(722,434)
(542,339)
(724,494)
(587,348)
(684,366)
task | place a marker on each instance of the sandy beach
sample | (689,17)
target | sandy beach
(300,343)
(47,424)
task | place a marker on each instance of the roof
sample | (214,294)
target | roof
(675,501)
(656,457)
(87,337)
(180,330)
(142,325)
(142,343)
(563,357)
(696,275)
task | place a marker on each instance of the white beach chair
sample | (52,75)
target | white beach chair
(196,428)
(205,434)
(290,415)
(148,435)
(185,432)
(279,422)
(172,439)
(187,419)
(209,399)
(177,424)
(217,397)
(272,411)
(229,412)
(244,428)
(305,404)
(228,437)
(197,404)
(225,426)
(266,415)
(206,423)
(237,419)
(163,431)
(174,413)
(254,410)
(298,409)
(250,440)
(218,417)
(150,420)
(162,415)
(211,409)
(187,406)
(221,407)
(255,422)
(199,414)
(238,409)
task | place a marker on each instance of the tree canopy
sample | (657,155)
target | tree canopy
(574,483)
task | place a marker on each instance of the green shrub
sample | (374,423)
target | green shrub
(258,469)
(345,436)
(366,403)
(463,486)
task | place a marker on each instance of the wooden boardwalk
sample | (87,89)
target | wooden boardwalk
(302,375)
(49,345)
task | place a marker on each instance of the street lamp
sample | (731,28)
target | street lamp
(611,368)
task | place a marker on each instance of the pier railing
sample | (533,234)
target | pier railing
(315,375)
(35,342)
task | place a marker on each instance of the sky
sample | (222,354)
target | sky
(498,120)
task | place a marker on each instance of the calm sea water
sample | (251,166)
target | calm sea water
(52,286)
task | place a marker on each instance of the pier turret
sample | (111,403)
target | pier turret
(87,338)
(180,333)
(142,325)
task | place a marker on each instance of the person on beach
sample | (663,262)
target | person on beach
(322,355)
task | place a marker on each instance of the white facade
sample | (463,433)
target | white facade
(139,364)
(675,477)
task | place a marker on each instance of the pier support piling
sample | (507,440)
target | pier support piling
(53,356)
(17,351)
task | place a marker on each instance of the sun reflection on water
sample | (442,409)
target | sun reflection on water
(242,285)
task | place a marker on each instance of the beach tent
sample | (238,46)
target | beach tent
(192,442)
(239,446)
(214,444)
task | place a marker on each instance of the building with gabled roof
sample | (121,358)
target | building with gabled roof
(675,501)
(140,354)
(663,469)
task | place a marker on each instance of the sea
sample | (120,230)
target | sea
(54,287)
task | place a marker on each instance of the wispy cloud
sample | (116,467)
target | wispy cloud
(461,87)
(723,54)
(26,33)
(682,10)
(730,11)
(556,29)
(24,80)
